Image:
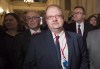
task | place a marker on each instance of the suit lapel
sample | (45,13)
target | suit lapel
(49,39)
(70,48)
(74,27)
(28,33)
(51,44)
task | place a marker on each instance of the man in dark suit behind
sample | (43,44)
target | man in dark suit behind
(32,19)
(48,51)
(79,18)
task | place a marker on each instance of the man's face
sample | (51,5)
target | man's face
(10,22)
(54,18)
(78,15)
(93,21)
(32,20)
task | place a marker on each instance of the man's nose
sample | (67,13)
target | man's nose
(31,19)
(54,18)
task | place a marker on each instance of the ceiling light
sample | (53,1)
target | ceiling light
(28,2)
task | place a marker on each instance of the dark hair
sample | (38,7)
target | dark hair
(81,7)
(89,18)
(97,20)
(17,19)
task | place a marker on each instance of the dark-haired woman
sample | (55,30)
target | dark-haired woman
(93,20)
(11,26)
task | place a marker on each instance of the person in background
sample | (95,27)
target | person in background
(67,23)
(70,19)
(11,25)
(56,48)
(32,19)
(93,45)
(80,26)
(93,20)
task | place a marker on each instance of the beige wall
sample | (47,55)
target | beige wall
(97,6)
(3,4)
(91,6)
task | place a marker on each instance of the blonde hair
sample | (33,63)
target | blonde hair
(53,5)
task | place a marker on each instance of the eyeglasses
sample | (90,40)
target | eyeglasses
(32,18)
(56,16)
(77,13)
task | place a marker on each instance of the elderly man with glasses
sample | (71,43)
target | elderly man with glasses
(56,48)
(32,19)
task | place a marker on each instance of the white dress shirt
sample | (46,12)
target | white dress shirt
(81,27)
(32,31)
(63,46)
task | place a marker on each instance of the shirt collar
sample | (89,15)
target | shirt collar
(81,26)
(61,33)
(32,31)
(82,23)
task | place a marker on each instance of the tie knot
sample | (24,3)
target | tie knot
(57,37)
(79,30)
(79,26)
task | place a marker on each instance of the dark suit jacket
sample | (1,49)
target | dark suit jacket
(2,58)
(42,53)
(9,49)
(87,28)
(22,43)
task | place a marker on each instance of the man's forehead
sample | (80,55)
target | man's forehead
(53,7)
(78,9)
(32,13)
(52,10)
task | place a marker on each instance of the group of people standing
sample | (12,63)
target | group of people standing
(59,46)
